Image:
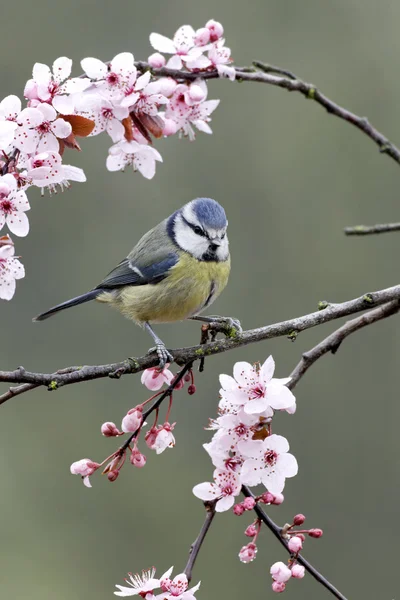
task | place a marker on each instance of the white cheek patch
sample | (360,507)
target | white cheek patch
(188,240)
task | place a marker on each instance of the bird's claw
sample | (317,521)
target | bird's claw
(164,356)
(231,326)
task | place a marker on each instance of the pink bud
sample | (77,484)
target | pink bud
(112,475)
(137,458)
(31,91)
(280,572)
(170,128)
(251,530)
(191,389)
(187,377)
(267,498)
(248,553)
(196,93)
(156,60)
(315,533)
(166,86)
(238,509)
(132,420)
(295,544)
(278,499)
(298,519)
(278,587)
(202,36)
(216,30)
(298,571)
(84,467)
(151,437)
(110,429)
(249,503)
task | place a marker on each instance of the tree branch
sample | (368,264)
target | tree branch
(276,530)
(195,547)
(290,328)
(371,229)
(292,83)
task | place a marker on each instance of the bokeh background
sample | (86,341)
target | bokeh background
(290,177)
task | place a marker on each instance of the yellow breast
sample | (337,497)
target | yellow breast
(190,287)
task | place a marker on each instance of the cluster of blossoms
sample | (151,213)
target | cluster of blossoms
(133,106)
(171,589)
(159,437)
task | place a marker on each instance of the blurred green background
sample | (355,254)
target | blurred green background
(290,177)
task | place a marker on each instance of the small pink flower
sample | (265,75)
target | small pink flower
(216,30)
(278,499)
(13,205)
(85,468)
(156,60)
(248,553)
(280,572)
(182,46)
(177,587)
(278,586)
(10,268)
(298,571)
(137,458)
(202,36)
(251,530)
(315,533)
(226,486)
(154,379)
(238,509)
(298,519)
(249,503)
(164,438)
(267,498)
(112,475)
(132,420)
(140,585)
(110,429)
(295,544)
(140,157)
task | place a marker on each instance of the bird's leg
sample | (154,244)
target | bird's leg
(227,322)
(163,355)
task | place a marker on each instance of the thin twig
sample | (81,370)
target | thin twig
(290,328)
(287,82)
(195,547)
(276,530)
(371,229)
(15,391)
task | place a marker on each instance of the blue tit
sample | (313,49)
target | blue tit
(174,272)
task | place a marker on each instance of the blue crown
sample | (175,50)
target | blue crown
(210,213)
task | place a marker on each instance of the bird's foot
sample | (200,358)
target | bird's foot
(164,356)
(229,326)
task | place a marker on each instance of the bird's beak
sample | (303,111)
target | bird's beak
(216,241)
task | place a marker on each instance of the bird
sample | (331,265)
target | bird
(175,271)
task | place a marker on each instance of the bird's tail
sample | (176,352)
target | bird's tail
(73,302)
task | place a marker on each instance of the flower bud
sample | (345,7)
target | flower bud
(197,93)
(156,60)
(295,544)
(191,389)
(110,429)
(216,30)
(238,509)
(132,420)
(278,587)
(298,571)
(150,437)
(278,499)
(248,553)
(249,503)
(280,572)
(267,498)
(298,519)
(187,377)
(167,86)
(202,36)
(112,475)
(315,533)
(251,530)
(137,459)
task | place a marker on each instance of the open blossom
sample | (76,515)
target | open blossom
(13,204)
(182,46)
(57,87)
(142,585)
(115,80)
(280,572)
(253,387)
(248,553)
(177,587)
(145,96)
(132,420)
(220,57)
(142,158)
(45,170)
(154,379)
(43,135)
(164,438)
(267,462)
(85,468)
(226,486)
(10,268)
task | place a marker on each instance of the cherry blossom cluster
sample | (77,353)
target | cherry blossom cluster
(159,437)
(171,589)
(131,106)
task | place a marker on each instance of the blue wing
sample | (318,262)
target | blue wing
(127,273)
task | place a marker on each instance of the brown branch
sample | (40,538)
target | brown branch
(290,328)
(277,531)
(15,391)
(290,82)
(195,547)
(371,229)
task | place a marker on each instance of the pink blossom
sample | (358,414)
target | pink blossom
(226,486)
(280,572)
(10,269)
(182,46)
(137,459)
(164,438)
(113,80)
(298,571)
(249,503)
(140,157)
(298,519)
(251,530)
(202,36)
(56,87)
(216,30)
(43,136)
(156,60)
(110,429)
(132,420)
(85,468)
(278,586)
(238,509)
(220,57)
(142,585)
(267,462)
(145,96)
(177,587)
(315,533)
(295,544)
(253,387)
(106,116)
(154,379)
(13,204)
(185,115)
(45,170)
(248,553)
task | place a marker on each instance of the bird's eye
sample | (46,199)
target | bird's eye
(198,230)
(222,236)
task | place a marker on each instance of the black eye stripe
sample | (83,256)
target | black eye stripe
(196,228)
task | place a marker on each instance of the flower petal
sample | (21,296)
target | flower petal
(162,43)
